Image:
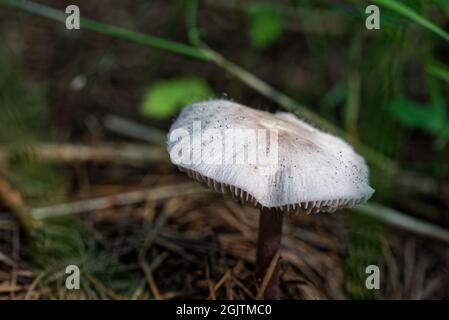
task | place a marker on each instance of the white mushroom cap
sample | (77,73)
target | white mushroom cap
(315,171)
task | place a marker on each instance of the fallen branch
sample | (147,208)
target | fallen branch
(124,154)
(129,198)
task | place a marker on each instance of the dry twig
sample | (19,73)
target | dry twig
(123,199)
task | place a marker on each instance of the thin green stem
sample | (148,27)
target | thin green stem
(110,30)
(352,106)
(438,70)
(408,12)
(192,29)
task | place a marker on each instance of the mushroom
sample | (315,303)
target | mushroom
(275,162)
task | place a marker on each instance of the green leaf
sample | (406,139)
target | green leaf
(265,25)
(165,97)
(429,118)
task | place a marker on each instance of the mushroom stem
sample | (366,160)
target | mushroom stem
(269,242)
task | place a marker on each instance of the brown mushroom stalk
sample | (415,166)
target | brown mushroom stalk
(268,244)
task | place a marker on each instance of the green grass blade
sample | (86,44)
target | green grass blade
(406,11)
(103,28)
(403,221)
(438,70)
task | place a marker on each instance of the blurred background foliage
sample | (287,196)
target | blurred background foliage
(387,89)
